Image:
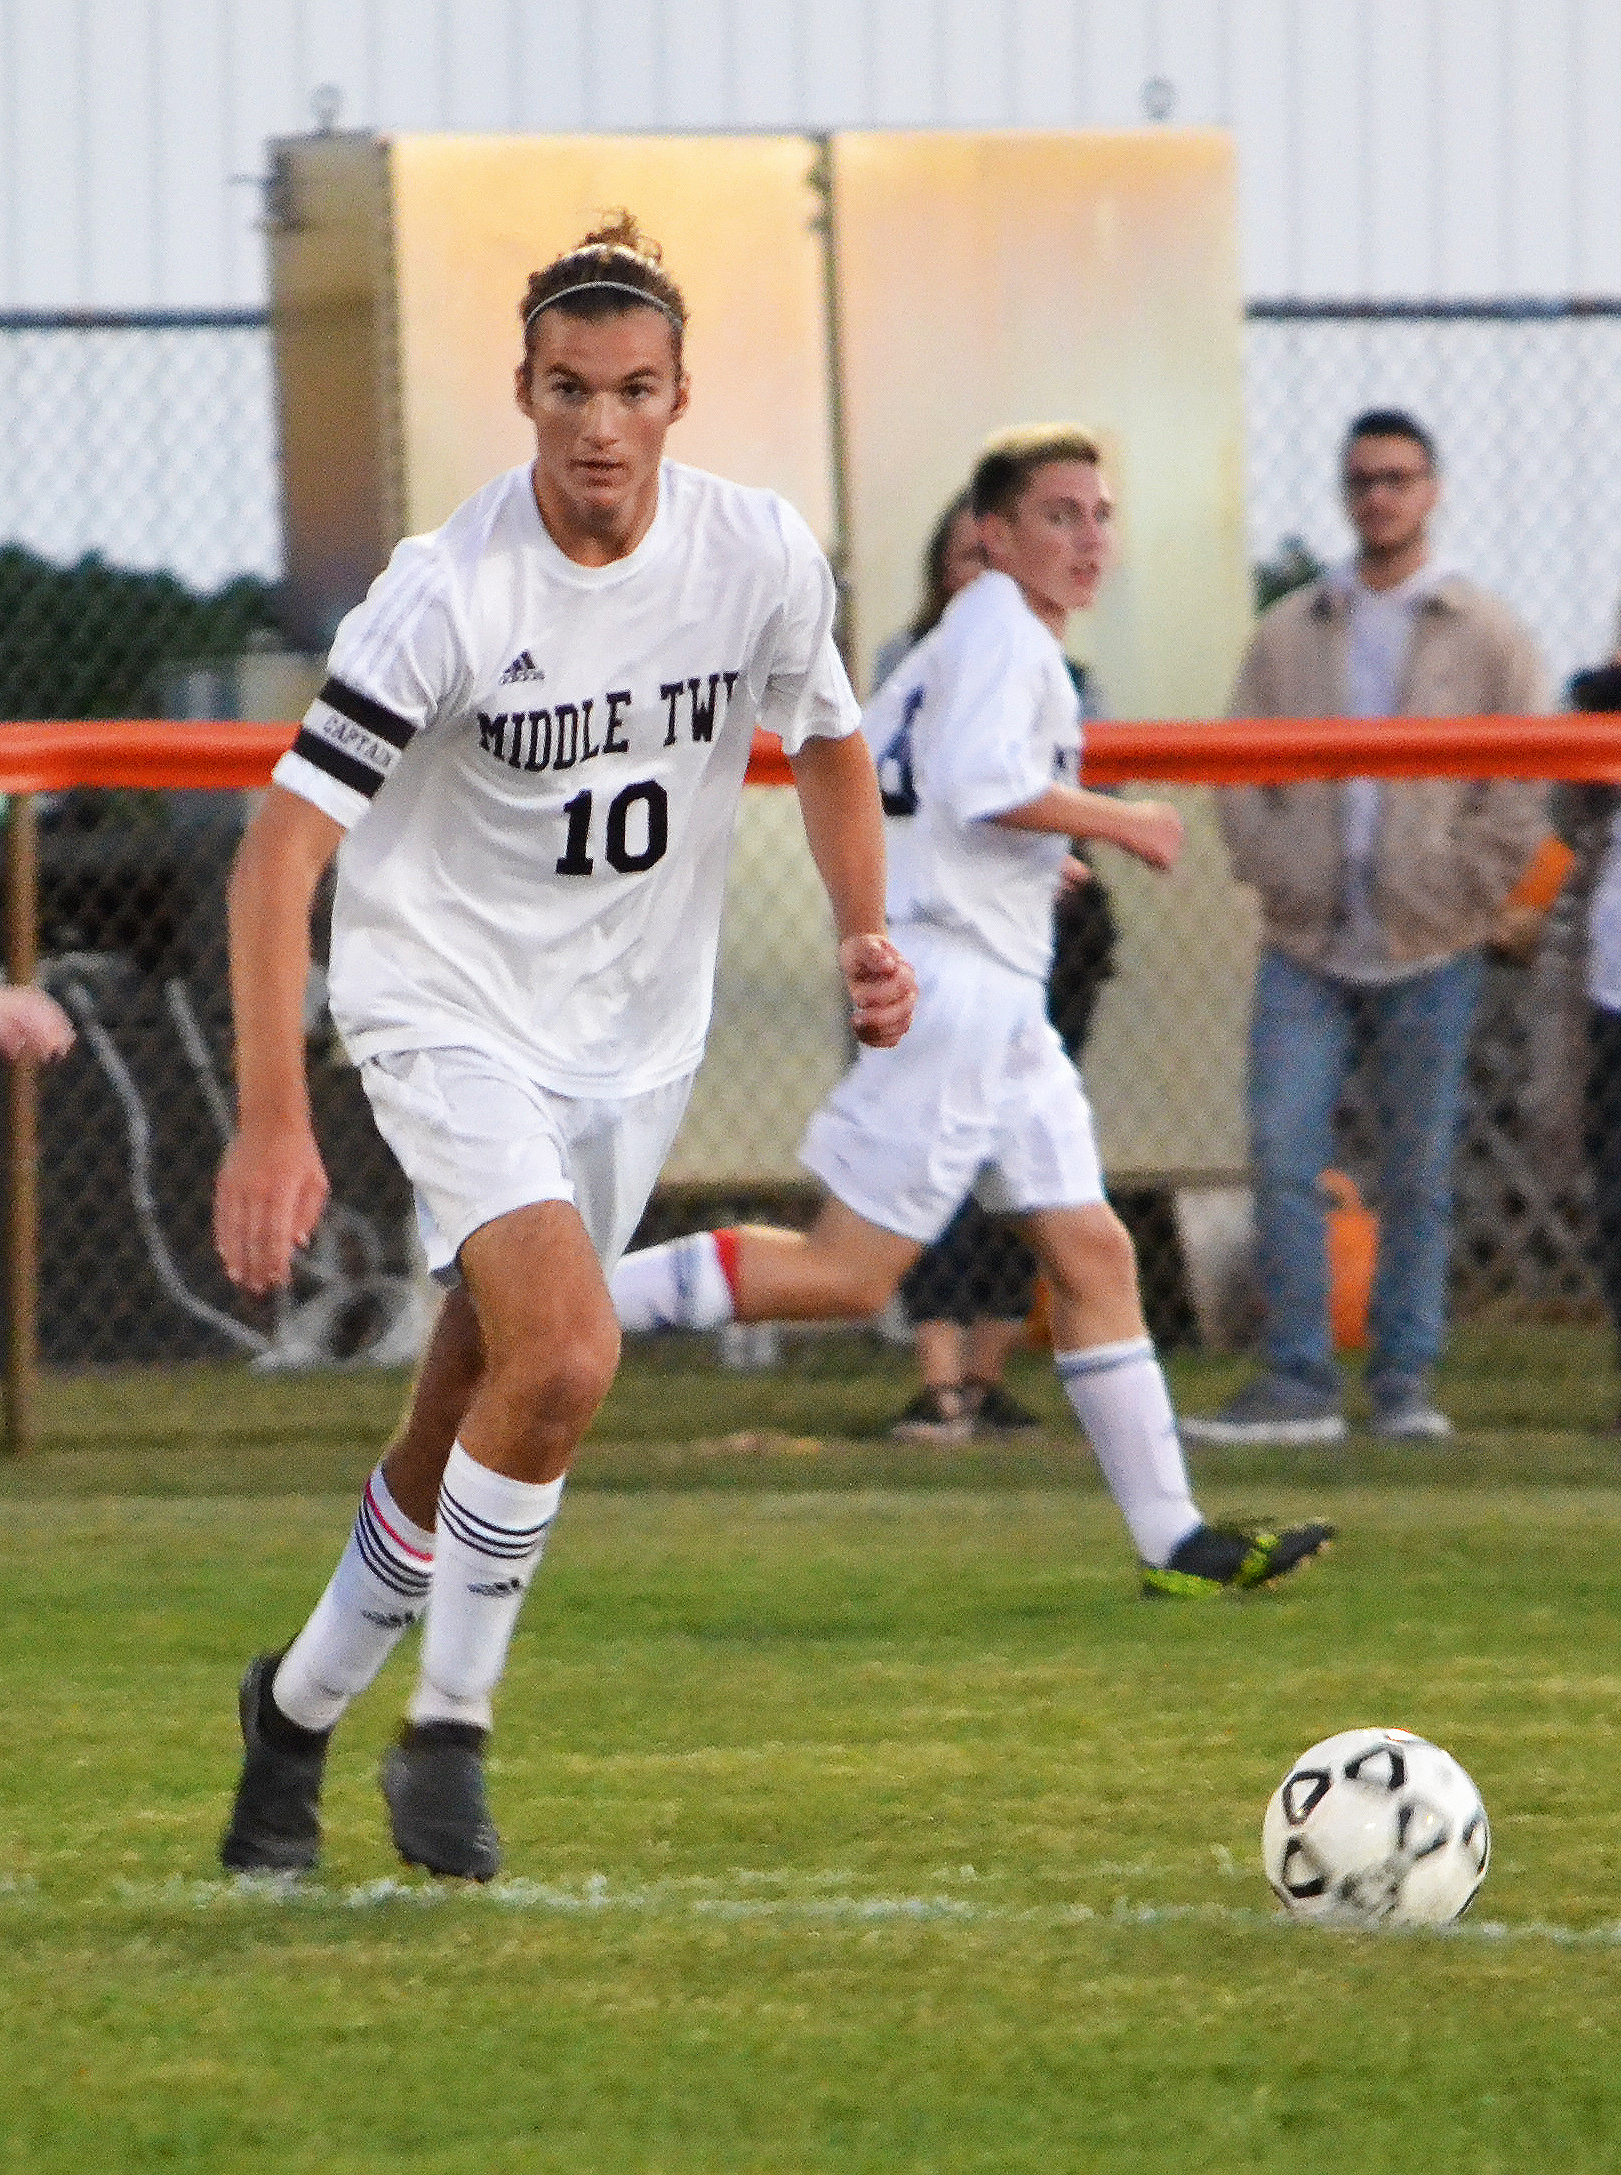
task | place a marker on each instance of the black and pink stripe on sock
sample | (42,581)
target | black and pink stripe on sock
(392,1560)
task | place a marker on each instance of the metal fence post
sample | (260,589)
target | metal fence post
(22,1096)
(824,223)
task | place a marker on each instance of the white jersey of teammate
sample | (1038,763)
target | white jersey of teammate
(548,759)
(982,716)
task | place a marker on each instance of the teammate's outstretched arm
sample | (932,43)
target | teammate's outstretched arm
(271,1185)
(844,824)
(1150,830)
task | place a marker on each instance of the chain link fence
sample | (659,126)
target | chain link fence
(139,551)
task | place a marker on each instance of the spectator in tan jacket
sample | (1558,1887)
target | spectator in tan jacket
(1376,898)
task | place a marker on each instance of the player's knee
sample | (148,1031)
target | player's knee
(561,1380)
(582,1374)
(1096,1257)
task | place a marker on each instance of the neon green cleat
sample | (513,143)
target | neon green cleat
(1233,1559)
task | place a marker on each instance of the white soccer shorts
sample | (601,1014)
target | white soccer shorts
(477,1140)
(977,1097)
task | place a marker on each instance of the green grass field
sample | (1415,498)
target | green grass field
(858,1814)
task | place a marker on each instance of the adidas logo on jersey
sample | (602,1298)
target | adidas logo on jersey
(522,667)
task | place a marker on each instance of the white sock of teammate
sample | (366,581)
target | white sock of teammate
(491,1531)
(1119,1396)
(377,1592)
(684,1284)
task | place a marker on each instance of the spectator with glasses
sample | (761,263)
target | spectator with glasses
(1376,899)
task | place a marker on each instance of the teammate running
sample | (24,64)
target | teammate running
(530,748)
(977,737)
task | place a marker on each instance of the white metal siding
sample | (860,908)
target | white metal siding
(1386,146)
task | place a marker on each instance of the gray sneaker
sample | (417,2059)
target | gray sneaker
(1273,1409)
(1403,1411)
(433,1780)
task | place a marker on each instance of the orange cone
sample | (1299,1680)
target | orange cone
(1353,1244)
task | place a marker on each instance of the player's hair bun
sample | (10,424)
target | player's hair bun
(620,230)
(606,272)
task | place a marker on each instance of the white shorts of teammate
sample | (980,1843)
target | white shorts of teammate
(476,1140)
(977,1097)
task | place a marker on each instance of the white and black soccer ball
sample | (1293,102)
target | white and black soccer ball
(1376,1827)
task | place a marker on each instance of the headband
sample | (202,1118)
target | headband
(597,286)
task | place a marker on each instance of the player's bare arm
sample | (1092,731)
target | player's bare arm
(33,1026)
(271,1185)
(844,824)
(1152,831)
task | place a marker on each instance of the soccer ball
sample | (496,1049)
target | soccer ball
(1376,1827)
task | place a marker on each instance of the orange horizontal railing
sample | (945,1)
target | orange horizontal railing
(1281,751)
(144,751)
(49,757)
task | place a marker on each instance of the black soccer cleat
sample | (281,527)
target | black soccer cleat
(1233,1559)
(275,1824)
(433,1781)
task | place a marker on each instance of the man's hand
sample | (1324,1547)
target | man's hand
(1073,872)
(268,1196)
(33,1025)
(883,990)
(1152,830)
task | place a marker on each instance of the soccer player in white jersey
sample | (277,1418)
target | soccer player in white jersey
(527,758)
(977,738)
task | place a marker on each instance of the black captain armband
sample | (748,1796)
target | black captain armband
(352,738)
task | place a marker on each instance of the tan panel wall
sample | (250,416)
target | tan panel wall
(988,280)
(475,215)
(997,279)
(332,283)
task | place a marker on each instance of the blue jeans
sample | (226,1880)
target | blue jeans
(1302,1041)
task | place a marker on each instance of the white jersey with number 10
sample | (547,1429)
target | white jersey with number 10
(547,760)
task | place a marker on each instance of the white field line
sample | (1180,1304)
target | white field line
(696,1900)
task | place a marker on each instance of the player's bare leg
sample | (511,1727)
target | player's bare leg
(843,1268)
(549,1336)
(1112,1377)
(414,1463)
(1091,1268)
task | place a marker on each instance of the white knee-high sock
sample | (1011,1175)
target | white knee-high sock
(683,1284)
(1119,1396)
(491,1531)
(377,1592)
